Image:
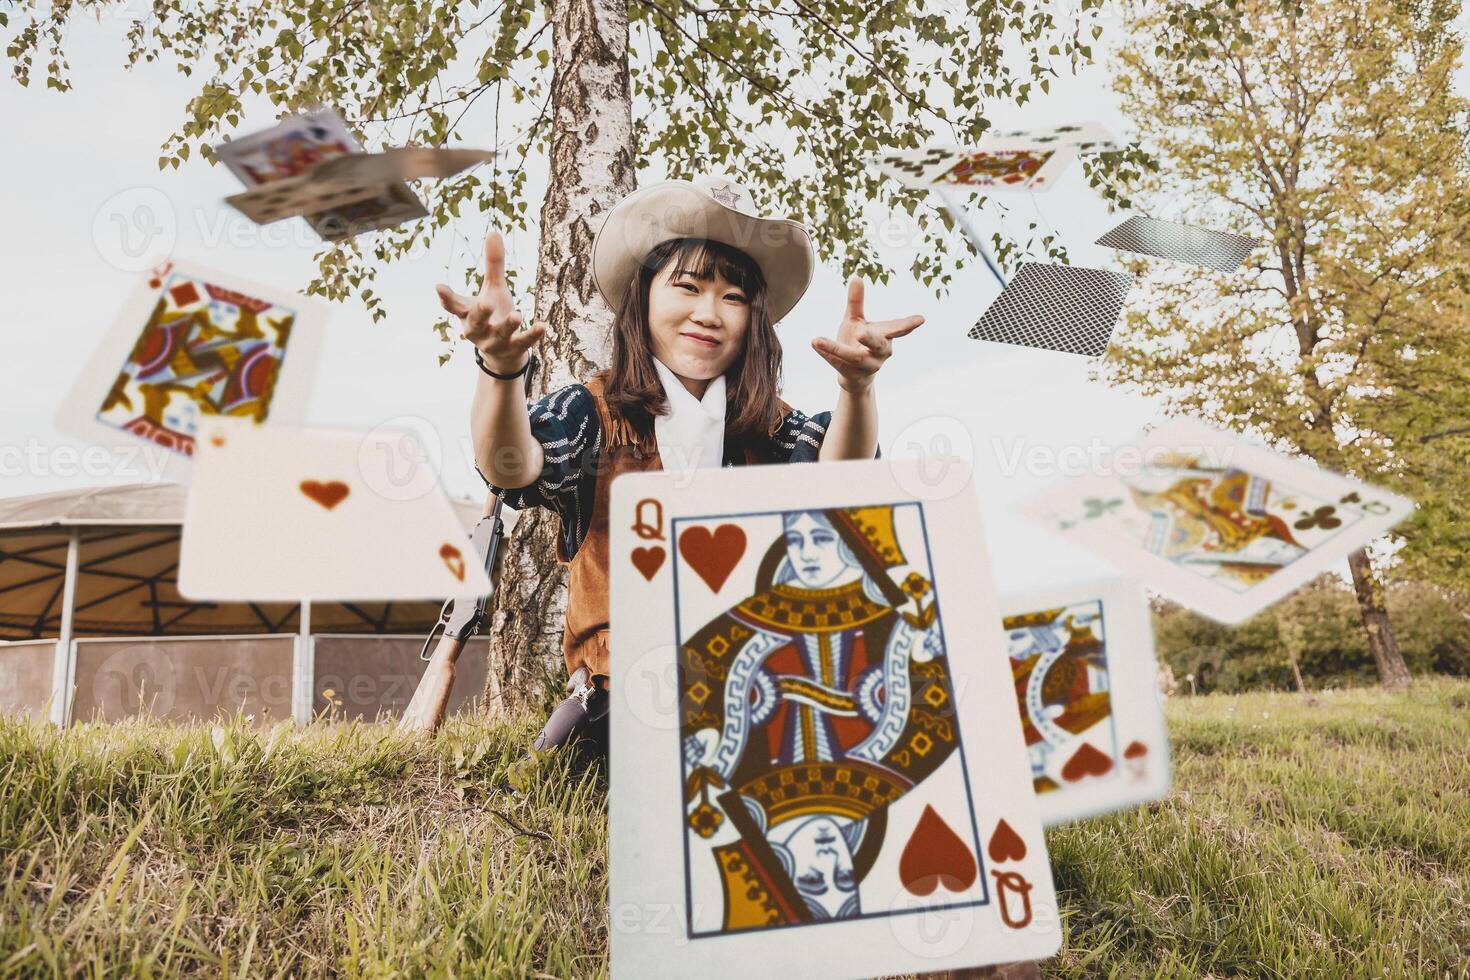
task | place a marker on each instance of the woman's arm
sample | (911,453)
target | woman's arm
(858,352)
(506,452)
(853,431)
(505,449)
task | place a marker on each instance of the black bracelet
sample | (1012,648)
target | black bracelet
(496,374)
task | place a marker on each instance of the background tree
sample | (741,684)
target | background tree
(791,95)
(1331,130)
(1320,622)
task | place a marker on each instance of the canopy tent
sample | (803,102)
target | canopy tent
(88,589)
(127,544)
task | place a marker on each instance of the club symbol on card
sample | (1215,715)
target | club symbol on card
(1086,761)
(1321,517)
(1005,844)
(653,531)
(713,555)
(328,495)
(935,855)
(454,559)
(648,560)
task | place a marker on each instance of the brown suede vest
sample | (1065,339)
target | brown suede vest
(584,640)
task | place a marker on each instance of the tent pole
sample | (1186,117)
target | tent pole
(64,663)
(303,669)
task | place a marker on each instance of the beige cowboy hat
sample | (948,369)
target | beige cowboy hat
(711,207)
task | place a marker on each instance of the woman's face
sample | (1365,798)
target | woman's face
(815,555)
(697,325)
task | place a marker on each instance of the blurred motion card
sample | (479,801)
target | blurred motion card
(1020,167)
(309,166)
(1215,521)
(190,344)
(291,148)
(1086,682)
(1056,307)
(818,770)
(390,205)
(1087,137)
(283,513)
(1219,250)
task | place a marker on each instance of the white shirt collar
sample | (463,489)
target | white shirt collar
(692,434)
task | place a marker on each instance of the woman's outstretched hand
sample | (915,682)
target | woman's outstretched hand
(489,319)
(862,345)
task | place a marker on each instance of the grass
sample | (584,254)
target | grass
(1322,837)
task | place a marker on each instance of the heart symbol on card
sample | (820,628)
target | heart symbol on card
(217,440)
(1135,750)
(329,495)
(648,560)
(935,855)
(713,556)
(454,558)
(1005,844)
(1086,761)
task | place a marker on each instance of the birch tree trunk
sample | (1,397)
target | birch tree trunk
(592,167)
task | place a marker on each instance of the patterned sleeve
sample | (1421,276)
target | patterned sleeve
(800,437)
(565,423)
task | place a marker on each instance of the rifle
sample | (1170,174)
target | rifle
(459,620)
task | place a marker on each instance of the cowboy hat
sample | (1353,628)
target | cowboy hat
(711,207)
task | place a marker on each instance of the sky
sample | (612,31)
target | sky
(87,207)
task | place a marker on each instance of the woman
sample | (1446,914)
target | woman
(697,281)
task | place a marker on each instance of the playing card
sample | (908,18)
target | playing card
(1083,137)
(1056,307)
(1220,524)
(1086,683)
(281,514)
(1018,167)
(190,344)
(288,149)
(356,193)
(388,206)
(817,767)
(1182,243)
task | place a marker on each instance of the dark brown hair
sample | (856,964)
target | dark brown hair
(752,382)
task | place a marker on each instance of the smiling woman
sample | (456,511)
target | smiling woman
(697,281)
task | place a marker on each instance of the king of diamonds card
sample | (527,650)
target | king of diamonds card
(190,344)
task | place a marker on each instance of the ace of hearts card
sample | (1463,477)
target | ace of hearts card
(816,764)
(1086,682)
(285,513)
(190,344)
(1214,521)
